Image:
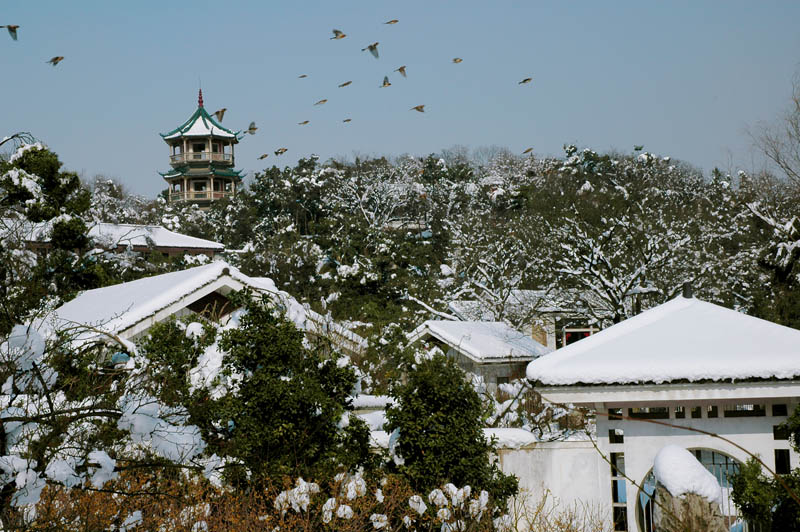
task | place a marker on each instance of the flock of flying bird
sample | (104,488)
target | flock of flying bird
(337,35)
(12,30)
(373,49)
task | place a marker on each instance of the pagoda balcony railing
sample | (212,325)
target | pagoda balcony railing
(200,156)
(194,195)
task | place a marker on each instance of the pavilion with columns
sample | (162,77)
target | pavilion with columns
(202,159)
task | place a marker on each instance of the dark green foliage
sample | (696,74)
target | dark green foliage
(283,420)
(753,493)
(765,500)
(438,416)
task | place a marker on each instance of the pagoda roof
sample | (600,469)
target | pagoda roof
(201,124)
(211,170)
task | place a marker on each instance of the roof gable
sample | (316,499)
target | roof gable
(682,340)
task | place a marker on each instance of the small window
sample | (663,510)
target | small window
(782,466)
(650,412)
(779,410)
(617,464)
(217,186)
(616,436)
(200,186)
(680,412)
(620,518)
(228,186)
(712,411)
(197,147)
(215,147)
(618,492)
(697,412)
(614,413)
(780,432)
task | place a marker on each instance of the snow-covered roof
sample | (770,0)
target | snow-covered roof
(683,340)
(200,124)
(482,341)
(126,309)
(110,235)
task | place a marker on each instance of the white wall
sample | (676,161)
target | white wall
(567,472)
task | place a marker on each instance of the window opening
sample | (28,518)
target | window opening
(649,412)
(744,410)
(697,412)
(779,432)
(779,410)
(616,436)
(619,496)
(782,465)
(680,412)
(712,411)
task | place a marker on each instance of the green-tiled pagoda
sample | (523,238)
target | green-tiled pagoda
(201,155)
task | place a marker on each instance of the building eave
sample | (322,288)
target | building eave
(673,392)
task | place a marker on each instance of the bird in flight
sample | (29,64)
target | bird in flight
(638,147)
(345,84)
(12,30)
(56,60)
(280,151)
(527,151)
(220,113)
(402,70)
(304,122)
(346,120)
(524,81)
(252,128)
(321,102)
(386,82)
(337,34)
(373,49)
(419,108)
(263,156)
(301,76)
(393,21)
(457,60)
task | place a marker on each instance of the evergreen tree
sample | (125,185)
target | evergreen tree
(287,411)
(439,432)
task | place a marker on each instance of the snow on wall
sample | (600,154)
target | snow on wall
(680,472)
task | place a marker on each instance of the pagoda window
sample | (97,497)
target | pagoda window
(176,187)
(226,148)
(198,147)
(228,186)
(200,186)
(215,147)
(217,186)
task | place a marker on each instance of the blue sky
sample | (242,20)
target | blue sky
(684,79)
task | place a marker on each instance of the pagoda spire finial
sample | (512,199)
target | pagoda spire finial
(200,98)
